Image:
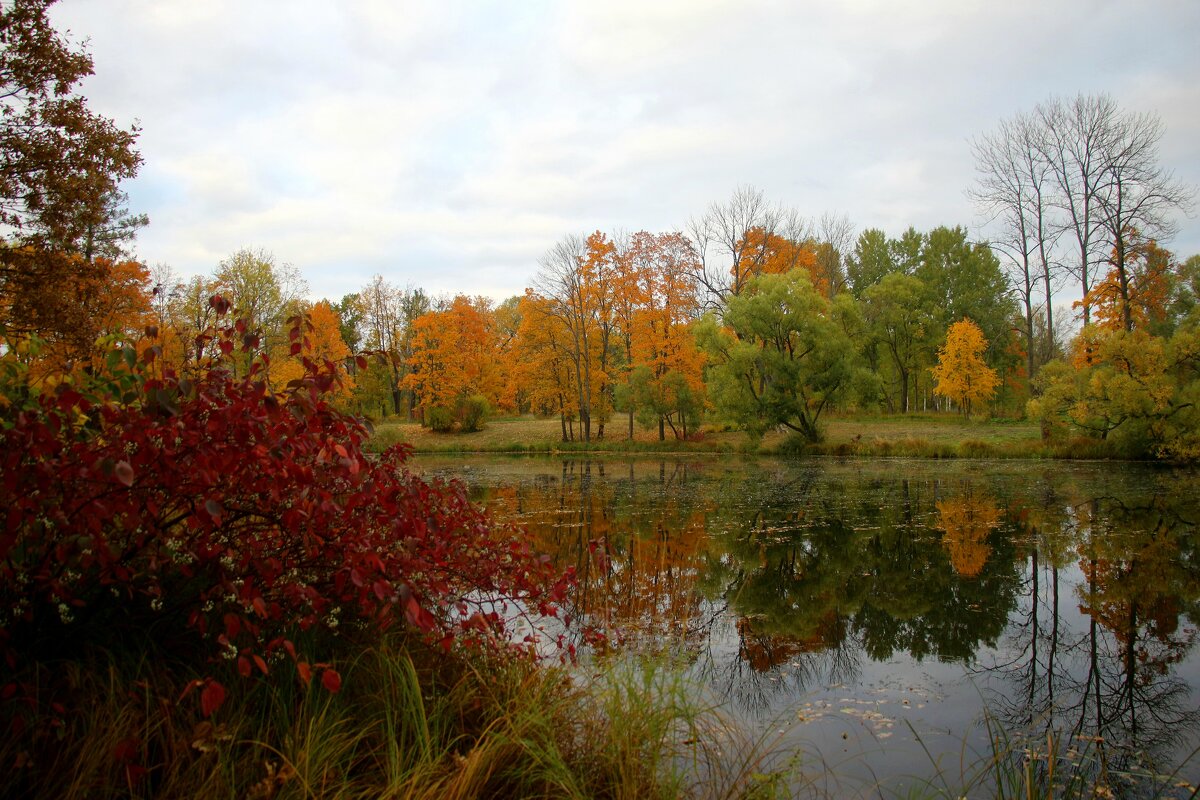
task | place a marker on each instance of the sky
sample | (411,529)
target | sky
(448,145)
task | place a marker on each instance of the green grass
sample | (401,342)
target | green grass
(917,435)
(409,723)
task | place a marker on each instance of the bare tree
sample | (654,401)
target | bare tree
(835,236)
(1073,138)
(1138,198)
(1084,171)
(730,253)
(1013,188)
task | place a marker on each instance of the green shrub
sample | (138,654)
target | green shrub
(471,412)
(439,419)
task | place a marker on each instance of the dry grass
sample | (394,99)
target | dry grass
(434,727)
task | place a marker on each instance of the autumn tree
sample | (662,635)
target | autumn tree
(264,293)
(1134,295)
(506,328)
(60,166)
(961,373)
(320,342)
(600,275)
(453,364)
(1138,199)
(1138,391)
(968,521)
(570,281)
(545,363)
(635,259)
(1085,171)
(665,382)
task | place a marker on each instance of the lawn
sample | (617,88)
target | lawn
(929,434)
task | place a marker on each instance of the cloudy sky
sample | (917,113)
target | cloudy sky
(447,145)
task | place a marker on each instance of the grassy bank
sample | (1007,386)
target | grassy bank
(911,435)
(408,723)
(412,723)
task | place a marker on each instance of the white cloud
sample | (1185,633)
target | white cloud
(449,144)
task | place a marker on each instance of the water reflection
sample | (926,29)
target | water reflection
(1065,601)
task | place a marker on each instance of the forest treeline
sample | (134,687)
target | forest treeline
(753,317)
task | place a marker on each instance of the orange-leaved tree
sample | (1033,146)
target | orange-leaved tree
(453,360)
(544,363)
(320,341)
(666,382)
(80,318)
(768,253)
(968,520)
(961,373)
(1136,295)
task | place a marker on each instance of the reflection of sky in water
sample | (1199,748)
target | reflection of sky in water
(928,558)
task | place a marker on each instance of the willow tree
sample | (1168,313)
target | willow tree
(779,356)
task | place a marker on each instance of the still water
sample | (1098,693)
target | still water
(881,617)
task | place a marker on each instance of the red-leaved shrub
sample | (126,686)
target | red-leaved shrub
(222,519)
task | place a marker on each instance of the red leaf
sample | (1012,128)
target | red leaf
(331,680)
(126,749)
(261,664)
(211,698)
(123,473)
(260,607)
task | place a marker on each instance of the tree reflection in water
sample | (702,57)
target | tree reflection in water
(1069,598)
(1105,674)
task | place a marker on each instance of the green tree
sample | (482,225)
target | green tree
(263,292)
(350,312)
(1138,391)
(964,279)
(900,322)
(871,260)
(907,250)
(781,358)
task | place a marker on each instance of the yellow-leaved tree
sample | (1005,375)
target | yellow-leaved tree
(961,373)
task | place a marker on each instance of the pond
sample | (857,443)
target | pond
(889,619)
